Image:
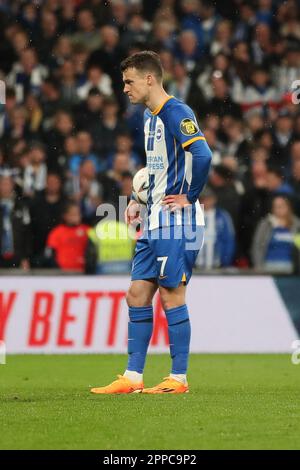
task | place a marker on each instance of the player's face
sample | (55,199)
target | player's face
(136,85)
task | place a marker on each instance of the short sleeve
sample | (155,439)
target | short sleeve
(183,125)
(53,239)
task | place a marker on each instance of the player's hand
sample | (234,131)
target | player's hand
(175,202)
(132,213)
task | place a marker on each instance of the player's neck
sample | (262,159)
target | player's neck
(157,99)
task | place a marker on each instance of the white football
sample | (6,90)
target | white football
(140,185)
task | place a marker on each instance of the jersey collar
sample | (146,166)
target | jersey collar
(159,108)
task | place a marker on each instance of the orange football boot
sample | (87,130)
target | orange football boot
(121,385)
(169,385)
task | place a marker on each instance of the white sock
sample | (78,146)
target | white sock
(133,376)
(180,377)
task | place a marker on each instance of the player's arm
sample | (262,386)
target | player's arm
(185,129)
(201,156)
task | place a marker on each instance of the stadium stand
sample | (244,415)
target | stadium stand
(68,133)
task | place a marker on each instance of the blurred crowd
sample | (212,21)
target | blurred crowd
(70,140)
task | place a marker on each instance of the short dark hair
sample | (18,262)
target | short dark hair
(144,61)
(69,204)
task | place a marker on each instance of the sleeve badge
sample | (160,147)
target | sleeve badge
(188,127)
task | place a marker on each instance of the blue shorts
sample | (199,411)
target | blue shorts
(167,254)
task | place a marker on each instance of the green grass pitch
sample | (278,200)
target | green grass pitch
(235,402)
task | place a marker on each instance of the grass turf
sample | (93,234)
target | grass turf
(235,402)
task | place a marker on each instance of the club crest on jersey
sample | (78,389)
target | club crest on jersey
(159,133)
(188,127)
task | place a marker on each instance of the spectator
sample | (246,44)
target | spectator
(96,79)
(260,96)
(190,14)
(209,21)
(246,22)
(62,51)
(187,50)
(221,102)
(124,144)
(14,227)
(48,35)
(295,151)
(262,46)
(137,31)
(254,206)
(183,88)
(36,171)
(163,37)
(105,131)
(51,101)
(18,132)
(101,10)
(86,190)
(264,13)
(110,248)
(27,74)
(85,153)
(219,64)
(295,184)
(35,113)
(87,34)
(66,243)
(222,182)
(167,60)
(240,71)
(219,243)
(288,70)
(68,17)
(288,16)
(90,111)
(126,185)
(222,41)
(29,20)
(80,57)
(272,248)
(121,163)
(109,55)
(55,138)
(68,87)
(70,149)
(282,138)
(45,212)
(275,182)
(181,83)
(235,142)
(120,13)
(6,111)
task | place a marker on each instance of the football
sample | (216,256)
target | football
(140,185)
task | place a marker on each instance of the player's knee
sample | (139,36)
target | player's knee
(172,297)
(168,303)
(136,298)
(171,300)
(130,298)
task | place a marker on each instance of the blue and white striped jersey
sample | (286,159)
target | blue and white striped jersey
(169,130)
